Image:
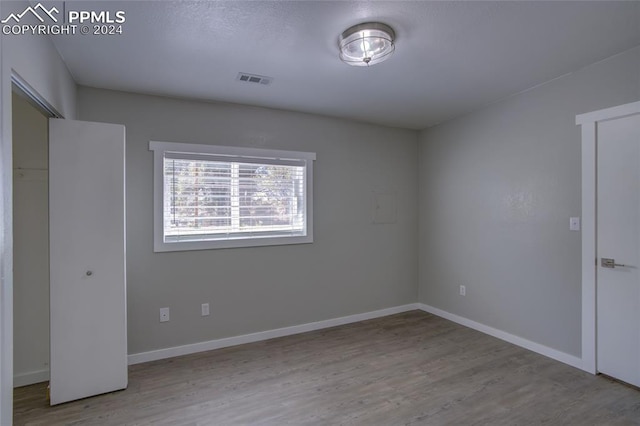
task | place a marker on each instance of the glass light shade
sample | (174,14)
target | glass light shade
(366,44)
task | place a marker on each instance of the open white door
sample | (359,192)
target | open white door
(618,248)
(87,259)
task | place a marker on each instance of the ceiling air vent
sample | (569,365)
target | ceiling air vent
(253,78)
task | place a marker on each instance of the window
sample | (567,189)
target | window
(208,196)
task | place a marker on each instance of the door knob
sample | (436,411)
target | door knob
(610,263)
(89,273)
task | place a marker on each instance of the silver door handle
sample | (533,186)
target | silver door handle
(610,263)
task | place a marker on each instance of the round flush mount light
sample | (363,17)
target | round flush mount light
(367,44)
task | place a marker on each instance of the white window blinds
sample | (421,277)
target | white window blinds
(221,197)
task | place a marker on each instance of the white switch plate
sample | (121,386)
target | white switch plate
(574,223)
(463,290)
(164,314)
(205,309)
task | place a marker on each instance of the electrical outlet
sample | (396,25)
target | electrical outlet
(164,314)
(463,290)
(205,309)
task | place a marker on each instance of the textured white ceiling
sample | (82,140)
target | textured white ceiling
(450,58)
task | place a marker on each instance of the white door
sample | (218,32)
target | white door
(618,249)
(87,259)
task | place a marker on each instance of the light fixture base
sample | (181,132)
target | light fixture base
(367,44)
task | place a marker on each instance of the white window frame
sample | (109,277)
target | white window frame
(236,153)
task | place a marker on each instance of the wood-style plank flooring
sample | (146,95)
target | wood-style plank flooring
(407,369)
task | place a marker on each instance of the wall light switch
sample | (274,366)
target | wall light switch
(164,314)
(205,309)
(463,290)
(574,223)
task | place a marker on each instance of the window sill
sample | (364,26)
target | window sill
(232,243)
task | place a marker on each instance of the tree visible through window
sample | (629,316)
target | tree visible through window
(210,197)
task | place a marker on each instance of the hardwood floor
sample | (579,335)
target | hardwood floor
(407,369)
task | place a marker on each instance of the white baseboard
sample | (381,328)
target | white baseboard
(503,335)
(24,379)
(303,328)
(264,335)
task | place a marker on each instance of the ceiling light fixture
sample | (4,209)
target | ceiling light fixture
(367,44)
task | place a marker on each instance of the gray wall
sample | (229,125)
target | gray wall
(30,243)
(353,266)
(497,188)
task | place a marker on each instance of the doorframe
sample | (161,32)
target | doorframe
(23,88)
(589,126)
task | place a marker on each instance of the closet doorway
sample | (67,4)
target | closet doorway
(30,124)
